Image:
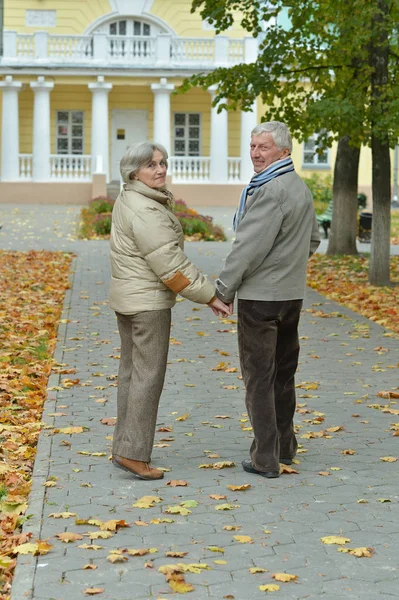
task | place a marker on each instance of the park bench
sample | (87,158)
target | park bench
(325,218)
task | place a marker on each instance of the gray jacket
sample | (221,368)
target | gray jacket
(277,234)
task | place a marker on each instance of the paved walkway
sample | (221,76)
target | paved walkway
(342,487)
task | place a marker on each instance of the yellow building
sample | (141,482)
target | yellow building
(83,79)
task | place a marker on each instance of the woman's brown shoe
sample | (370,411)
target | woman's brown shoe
(138,468)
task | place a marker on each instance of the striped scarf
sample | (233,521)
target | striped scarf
(279,167)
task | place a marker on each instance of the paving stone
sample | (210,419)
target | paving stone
(297,509)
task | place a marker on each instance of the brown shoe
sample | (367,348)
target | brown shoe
(138,468)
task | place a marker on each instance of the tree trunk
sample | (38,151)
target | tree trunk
(344,216)
(381,171)
(381,223)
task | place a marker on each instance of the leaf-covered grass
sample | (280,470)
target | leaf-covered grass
(32,288)
(395,227)
(95,222)
(344,279)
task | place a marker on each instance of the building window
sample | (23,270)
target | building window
(313,154)
(129,27)
(69,132)
(187,134)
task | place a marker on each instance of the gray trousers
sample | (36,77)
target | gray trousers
(144,351)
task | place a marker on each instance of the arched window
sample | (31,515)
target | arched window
(127,36)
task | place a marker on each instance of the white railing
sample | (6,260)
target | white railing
(236,51)
(70,167)
(122,48)
(189,168)
(192,50)
(25,166)
(25,45)
(132,51)
(233,169)
(66,47)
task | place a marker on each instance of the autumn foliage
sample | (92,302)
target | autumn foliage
(32,288)
(344,279)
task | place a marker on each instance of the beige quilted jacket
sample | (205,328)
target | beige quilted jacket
(148,264)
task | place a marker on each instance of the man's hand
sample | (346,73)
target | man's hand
(219,308)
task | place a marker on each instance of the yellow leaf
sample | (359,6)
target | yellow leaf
(49,484)
(324,473)
(113,525)
(141,551)
(13,508)
(90,567)
(349,452)
(177,483)
(225,464)
(232,527)
(177,510)
(63,515)
(362,501)
(116,558)
(358,552)
(35,548)
(94,547)
(215,549)
(147,501)
(269,587)
(194,567)
(103,535)
(335,539)
(178,584)
(254,570)
(206,466)
(183,417)
(68,536)
(239,488)
(285,577)
(227,506)
(93,591)
(71,430)
(388,458)
(220,562)
(175,554)
(243,539)
(158,521)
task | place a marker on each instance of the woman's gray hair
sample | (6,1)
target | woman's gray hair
(138,156)
(279,132)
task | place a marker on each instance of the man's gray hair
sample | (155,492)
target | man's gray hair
(279,132)
(138,156)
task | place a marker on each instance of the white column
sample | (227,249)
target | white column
(99,123)
(249,120)
(10,129)
(41,129)
(162,93)
(219,143)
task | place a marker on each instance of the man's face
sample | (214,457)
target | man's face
(264,152)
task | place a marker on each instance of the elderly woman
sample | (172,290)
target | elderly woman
(148,269)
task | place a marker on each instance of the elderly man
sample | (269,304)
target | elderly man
(276,233)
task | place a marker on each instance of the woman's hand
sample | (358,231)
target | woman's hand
(219,308)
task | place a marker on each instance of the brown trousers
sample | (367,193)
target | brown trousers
(269,348)
(144,351)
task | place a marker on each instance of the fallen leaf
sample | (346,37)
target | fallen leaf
(269,587)
(239,488)
(358,552)
(254,570)
(284,577)
(335,539)
(108,421)
(175,554)
(147,502)
(93,591)
(224,464)
(68,536)
(141,551)
(243,539)
(215,549)
(390,459)
(227,506)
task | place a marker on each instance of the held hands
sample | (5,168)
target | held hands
(220,309)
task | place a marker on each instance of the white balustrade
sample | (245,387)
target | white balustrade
(233,169)
(70,167)
(236,51)
(25,46)
(25,166)
(66,47)
(122,48)
(187,169)
(185,50)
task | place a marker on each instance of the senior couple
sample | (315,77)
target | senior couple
(276,232)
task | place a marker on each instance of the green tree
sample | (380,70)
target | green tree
(333,71)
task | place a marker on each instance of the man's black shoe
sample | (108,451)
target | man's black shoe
(247,466)
(286,461)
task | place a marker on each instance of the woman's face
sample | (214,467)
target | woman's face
(153,174)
